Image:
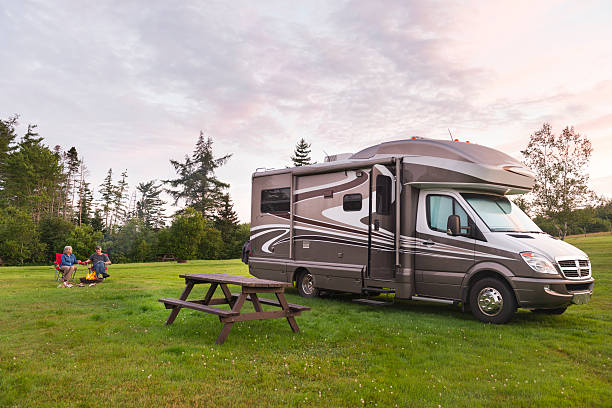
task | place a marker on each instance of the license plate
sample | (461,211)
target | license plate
(581,298)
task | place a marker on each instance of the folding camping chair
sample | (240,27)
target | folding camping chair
(59,272)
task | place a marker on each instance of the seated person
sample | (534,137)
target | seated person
(99,260)
(68,266)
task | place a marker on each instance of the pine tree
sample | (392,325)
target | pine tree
(196,182)
(72,168)
(31,173)
(118,200)
(107,191)
(226,219)
(150,207)
(7,139)
(85,203)
(301,155)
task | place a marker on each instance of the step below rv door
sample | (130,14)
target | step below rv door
(382,223)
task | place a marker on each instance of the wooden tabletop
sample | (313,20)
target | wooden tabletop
(245,281)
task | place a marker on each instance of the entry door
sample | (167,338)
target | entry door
(382,223)
(441,260)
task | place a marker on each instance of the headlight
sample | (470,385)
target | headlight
(538,263)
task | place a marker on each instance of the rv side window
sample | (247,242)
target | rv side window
(383,195)
(351,202)
(439,207)
(275,200)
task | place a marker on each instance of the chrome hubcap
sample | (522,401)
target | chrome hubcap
(490,301)
(307,284)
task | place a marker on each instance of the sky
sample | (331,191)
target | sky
(130,84)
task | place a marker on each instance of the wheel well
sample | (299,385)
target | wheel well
(297,273)
(487,273)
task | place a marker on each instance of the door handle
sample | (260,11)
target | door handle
(428,243)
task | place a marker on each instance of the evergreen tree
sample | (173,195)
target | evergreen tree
(196,182)
(85,203)
(118,201)
(72,164)
(97,222)
(150,208)
(7,139)
(85,197)
(31,174)
(107,190)
(301,155)
(226,220)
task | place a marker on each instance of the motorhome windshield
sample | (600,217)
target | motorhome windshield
(500,214)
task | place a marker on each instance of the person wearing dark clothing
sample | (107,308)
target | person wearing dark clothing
(246,252)
(99,261)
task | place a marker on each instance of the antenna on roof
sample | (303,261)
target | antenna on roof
(451,135)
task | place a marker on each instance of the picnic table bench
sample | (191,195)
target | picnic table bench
(250,288)
(166,257)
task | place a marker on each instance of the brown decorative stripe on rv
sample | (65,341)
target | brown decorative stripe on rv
(308,221)
(342,187)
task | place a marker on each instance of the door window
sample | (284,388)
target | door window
(383,195)
(439,207)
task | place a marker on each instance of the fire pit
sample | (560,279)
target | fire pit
(91,278)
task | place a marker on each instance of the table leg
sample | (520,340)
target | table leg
(227,326)
(227,294)
(224,332)
(177,309)
(281,299)
(210,293)
(256,303)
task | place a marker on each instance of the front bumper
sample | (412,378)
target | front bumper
(551,293)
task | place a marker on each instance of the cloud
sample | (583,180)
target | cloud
(131,85)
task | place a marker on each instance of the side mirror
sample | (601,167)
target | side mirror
(453,225)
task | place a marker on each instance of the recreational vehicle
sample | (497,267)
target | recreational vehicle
(421,218)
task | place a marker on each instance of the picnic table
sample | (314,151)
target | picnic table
(250,288)
(166,257)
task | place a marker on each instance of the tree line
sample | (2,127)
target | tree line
(47,202)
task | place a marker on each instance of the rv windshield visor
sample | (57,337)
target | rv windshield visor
(500,214)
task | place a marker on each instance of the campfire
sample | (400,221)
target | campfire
(90,278)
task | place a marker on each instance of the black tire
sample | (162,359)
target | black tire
(305,285)
(556,311)
(492,301)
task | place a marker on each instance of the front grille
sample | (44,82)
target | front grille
(578,287)
(575,268)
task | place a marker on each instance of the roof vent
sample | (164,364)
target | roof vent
(337,157)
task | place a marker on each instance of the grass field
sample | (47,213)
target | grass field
(107,346)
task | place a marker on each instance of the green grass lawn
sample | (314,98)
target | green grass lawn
(107,346)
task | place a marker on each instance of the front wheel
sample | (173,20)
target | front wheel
(492,301)
(305,285)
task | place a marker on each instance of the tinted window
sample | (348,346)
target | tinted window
(275,200)
(383,195)
(351,202)
(439,207)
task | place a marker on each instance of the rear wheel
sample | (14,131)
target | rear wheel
(492,301)
(305,285)
(556,311)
